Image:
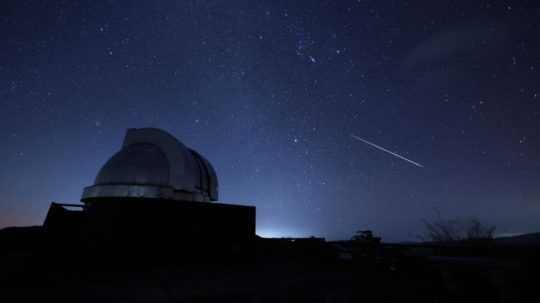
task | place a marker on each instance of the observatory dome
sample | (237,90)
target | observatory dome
(154,164)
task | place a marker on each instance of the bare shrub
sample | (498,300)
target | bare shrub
(441,230)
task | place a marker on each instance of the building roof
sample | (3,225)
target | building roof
(154,164)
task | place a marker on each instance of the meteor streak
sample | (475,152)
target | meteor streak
(386,150)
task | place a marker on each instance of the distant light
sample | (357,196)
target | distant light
(280,233)
(508,234)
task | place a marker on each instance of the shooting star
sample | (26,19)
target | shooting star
(386,150)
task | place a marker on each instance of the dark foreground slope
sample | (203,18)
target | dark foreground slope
(280,270)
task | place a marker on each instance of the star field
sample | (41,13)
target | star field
(270,92)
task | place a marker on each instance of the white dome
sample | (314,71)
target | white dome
(154,164)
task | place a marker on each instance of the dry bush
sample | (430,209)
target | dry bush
(440,230)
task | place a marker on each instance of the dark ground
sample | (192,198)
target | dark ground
(280,270)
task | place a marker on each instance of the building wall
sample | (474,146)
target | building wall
(160,228)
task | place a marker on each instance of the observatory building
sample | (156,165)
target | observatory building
(153,164)
(155,196)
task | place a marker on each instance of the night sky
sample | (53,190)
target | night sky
(270,92)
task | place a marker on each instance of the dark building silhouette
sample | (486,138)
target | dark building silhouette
(154,197)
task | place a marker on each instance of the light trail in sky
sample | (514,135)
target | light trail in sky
(386,150)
